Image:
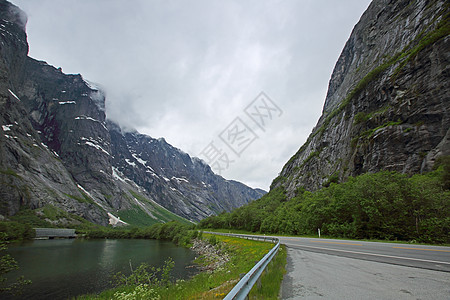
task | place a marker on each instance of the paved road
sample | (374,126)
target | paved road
(344,269)
(340,269)
(419,256)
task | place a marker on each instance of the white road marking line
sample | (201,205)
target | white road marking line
(373,254)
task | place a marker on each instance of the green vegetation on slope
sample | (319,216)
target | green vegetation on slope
(16,231)
(51,216)
(384,205)
(138,217)
(19,226)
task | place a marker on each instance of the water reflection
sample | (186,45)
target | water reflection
(60,269)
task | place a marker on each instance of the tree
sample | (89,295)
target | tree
(7,264)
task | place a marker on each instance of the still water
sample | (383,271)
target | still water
(60,269)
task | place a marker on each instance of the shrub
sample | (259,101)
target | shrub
(17,231)
(212,240)
(383,205)
(7,264)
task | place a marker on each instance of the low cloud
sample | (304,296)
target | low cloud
(184,70)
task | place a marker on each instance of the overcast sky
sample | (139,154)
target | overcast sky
(187,70)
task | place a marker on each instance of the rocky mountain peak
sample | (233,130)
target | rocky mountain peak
(387,106)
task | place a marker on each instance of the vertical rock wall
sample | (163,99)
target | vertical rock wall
(388,101)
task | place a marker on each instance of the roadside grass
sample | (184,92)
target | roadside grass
(244,254)
(270,281)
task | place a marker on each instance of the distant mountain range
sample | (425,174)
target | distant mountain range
(61,158)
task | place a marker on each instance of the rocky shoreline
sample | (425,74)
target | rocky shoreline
(210,258)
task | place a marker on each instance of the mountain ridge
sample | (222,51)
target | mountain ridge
(377,163)
(60,153)
(387,104)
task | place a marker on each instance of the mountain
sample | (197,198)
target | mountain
(61,158)
(187,185)
(377,164)
(388,100)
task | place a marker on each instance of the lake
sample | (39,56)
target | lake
(63,268)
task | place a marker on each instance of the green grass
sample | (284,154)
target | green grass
(310,157)
(84,199)
(28,216)
(361,117)
(159,212)
(369,133)
(442,30)
(136,216)
(279,179)
(53,213)
(271,278)
(244,254)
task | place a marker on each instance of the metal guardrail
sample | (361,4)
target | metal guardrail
(243,287)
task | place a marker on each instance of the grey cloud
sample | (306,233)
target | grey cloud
(185,69)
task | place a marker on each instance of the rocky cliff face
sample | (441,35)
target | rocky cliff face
(187,185)
(58,152)
(388,101)
(31,174)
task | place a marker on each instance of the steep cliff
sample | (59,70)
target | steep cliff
(46,163)
(388,101)
(59,154)
(27,166)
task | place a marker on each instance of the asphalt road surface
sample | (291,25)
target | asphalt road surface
(342,269)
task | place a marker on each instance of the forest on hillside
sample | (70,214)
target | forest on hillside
(384,205)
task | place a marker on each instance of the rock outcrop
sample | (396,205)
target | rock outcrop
(388,101)
(58,152)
